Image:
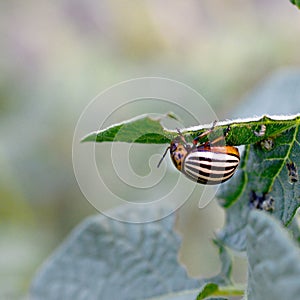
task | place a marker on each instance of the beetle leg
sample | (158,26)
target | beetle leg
(215,141)
(205,133)
(181,136)
(222,137)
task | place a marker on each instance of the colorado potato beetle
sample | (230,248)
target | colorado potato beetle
(206,163)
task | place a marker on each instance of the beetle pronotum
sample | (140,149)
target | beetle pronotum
(205,163)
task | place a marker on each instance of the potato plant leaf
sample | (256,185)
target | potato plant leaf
(265,175)
(108,259)
(149,130)
(264,172)
(273,259)
(272,149)
(142,129)
(296,2)
(213,289)
(208,289)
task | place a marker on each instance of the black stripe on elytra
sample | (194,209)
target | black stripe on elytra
(207,180)
(209,167)
(207,174)
(212,160)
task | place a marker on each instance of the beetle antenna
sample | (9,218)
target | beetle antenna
(163,157)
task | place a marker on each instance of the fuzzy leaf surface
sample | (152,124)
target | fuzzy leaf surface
(108,259)
(263,170)
(274,260)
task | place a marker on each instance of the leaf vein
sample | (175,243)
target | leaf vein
(285,157)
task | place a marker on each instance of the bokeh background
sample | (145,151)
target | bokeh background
(57,55)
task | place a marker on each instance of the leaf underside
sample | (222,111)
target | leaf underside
(108,259)
(265,173)
(104,258)
(274,260)
(271,143)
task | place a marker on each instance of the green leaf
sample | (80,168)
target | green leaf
(264,170)
(247,131)
(108,259)
(148,130)
(142,129)
(274,260)
(208,289)
(296,2)
(213,289)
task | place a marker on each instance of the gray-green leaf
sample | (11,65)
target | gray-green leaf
(264,168)
(262,173)
(108,259)
(274,260)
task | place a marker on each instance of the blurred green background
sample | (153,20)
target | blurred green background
(57,55)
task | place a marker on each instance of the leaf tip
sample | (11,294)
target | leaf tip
(91,137)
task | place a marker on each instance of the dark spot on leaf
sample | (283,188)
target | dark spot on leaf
(292,172)
(267,144)
(263,202)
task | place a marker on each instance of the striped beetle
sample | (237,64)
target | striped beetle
(205,163)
